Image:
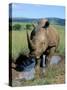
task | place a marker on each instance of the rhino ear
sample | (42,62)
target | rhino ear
(46,24)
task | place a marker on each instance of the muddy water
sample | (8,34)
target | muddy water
(26,69)
(27,75)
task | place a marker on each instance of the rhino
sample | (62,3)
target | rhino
(43,40)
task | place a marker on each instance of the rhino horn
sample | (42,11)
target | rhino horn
(30,43)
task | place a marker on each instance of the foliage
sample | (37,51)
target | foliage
(28,26)
(16,27)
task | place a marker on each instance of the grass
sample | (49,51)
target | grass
(61,31)
(19,41)
(54,74)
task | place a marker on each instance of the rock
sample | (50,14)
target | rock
(55,60)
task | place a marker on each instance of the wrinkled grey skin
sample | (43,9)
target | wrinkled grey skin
(44,39)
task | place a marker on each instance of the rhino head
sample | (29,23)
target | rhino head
(38,43)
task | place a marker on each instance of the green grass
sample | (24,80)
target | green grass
(19,41)
(54,74)
(61,31)
(23,24)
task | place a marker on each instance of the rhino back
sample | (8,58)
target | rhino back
(53,36)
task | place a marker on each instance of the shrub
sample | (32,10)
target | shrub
(28,26)
(16,27)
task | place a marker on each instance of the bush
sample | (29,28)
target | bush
(28,26)
(16,27)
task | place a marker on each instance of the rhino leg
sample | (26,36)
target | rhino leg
(40,67)
(37,69)
(43,66)
(43,61)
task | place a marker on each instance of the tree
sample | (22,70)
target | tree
(28,26)
(16,27)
